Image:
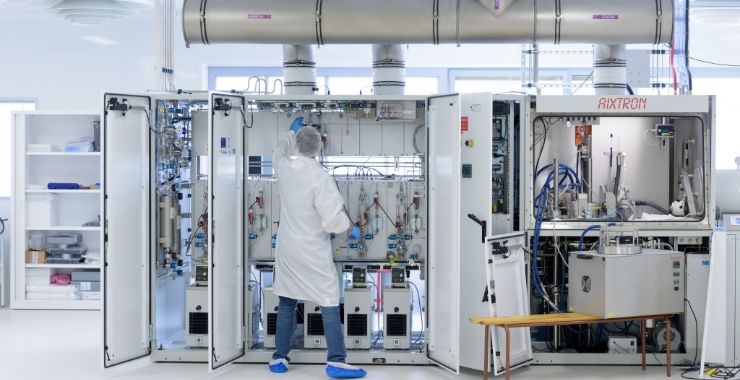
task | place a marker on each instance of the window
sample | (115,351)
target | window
(339,85)
(350,85)
(728,126)
(6,124)
(487,84)
(422,85)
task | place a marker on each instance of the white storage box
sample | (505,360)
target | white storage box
(41,210)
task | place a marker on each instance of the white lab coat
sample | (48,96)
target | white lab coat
(311,208)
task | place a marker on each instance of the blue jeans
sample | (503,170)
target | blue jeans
(286,325)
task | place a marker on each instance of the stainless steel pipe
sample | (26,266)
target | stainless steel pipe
(426,21)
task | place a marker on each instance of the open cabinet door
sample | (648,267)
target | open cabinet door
(506,267)
(443,287)
(475,200)
(125,216)
(225,232)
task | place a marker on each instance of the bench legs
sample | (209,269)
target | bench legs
(486,351)
(508,351)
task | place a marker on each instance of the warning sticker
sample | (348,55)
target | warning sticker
(259,17)
(464,124)
(606,17)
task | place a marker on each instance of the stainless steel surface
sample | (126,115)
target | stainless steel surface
(425,21)
(614,286)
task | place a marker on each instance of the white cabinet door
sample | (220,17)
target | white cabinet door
(443,287)
(225,230)
(126,212)
(507,284)
(476,200)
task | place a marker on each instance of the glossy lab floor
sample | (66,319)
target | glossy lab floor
(66,345)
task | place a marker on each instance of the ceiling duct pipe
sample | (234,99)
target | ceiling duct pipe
(426,22)
(610,70)
(299,70)
(389,70)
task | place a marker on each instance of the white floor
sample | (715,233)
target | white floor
(64,345)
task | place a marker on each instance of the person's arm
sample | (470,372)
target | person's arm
(286,144)
(283,149)
(330,206)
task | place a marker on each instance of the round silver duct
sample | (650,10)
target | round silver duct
(389,70)
(610,69)
(299,70)
(426,21)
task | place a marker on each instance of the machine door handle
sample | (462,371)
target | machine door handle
(482,224)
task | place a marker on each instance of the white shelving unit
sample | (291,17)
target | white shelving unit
(32,171)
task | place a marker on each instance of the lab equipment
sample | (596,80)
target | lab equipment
(625,285)
(197,316)
(313,326)
(397,317)
(270,304)
(357,317)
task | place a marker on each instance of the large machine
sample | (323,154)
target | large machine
(618,203)
(197,171)
(199,279)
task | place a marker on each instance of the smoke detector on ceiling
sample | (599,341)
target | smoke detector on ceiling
(98,12)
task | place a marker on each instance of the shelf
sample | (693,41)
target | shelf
(69,154)
(46,191)
(63,228)
(57,304)
(63,266)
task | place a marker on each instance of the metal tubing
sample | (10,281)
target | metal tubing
(426,21)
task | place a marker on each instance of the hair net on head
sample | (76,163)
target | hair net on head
(308,140)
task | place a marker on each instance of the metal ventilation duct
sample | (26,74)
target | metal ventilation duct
(426,21)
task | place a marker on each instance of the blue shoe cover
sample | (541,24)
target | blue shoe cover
(337,370)
(278,366)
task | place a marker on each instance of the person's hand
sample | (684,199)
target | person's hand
(354,233)
(297,124)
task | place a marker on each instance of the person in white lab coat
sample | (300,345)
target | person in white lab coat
(311,208)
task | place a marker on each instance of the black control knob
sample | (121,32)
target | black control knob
(395,309)
(317,309)
(357,309)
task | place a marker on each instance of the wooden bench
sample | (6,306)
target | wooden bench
(545,320)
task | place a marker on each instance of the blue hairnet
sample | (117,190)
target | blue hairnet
(308,141)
